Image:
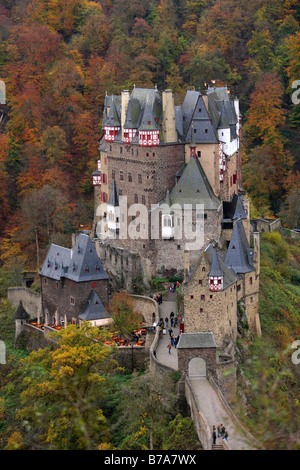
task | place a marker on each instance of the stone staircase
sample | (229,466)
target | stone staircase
(217,447)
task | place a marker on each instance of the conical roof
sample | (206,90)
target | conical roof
(234,209)
(148,119)
(113,118)
(215,269)
(21,313)
(239,256)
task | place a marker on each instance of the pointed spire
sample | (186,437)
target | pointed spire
(215,269)
(238,256)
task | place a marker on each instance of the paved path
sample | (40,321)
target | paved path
(169,305)
(215,412)
(207,398)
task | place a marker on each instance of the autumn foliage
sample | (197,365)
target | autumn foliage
(59,58)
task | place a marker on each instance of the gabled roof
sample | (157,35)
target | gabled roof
(194,188)
(239,256)
(80,265)
(221,108)
(113,199)
(93,309)
(196,340)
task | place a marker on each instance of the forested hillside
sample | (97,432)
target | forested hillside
(58,59)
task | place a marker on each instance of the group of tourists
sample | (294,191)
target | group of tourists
(220,431)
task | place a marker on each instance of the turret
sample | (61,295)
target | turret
(216,276)
(21,316)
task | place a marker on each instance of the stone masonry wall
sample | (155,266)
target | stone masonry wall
(31,300)
(219,313)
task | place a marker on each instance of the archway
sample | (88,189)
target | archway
(197,368)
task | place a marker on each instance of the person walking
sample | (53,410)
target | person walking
(170,332)
(219,430)
(169,348)
(214,435)
(226,436)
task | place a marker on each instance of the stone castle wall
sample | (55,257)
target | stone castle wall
(31,300)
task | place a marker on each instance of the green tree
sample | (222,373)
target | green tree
(63,388)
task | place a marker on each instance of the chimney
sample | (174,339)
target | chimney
(168,123)
(124,107)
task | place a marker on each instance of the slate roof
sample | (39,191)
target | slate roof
(221,110)
(218,265)
(79,265)
(234,209)
(113,199)
(215,268)
(133,114)
(56,262)
(194,188)
(112,118)
(239,256)
(21,313)
(148,119)
(93,309)
(196,340)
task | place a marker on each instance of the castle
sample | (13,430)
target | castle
(181,167)
(168,158)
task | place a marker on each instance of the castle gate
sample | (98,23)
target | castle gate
(197,368)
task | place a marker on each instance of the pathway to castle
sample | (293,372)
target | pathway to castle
(207,398)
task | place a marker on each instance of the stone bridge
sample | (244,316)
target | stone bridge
(202,378)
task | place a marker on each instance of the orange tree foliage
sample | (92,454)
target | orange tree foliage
(126,318)
(58,59)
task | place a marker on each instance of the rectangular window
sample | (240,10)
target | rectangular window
(202,297)
(121,176)
(200,282)
(144,199)
(192,297)
(199,153)
(129,177)
(136,199)
(140,180)
(251,281)
(72,301)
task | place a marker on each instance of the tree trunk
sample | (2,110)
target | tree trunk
(37,250)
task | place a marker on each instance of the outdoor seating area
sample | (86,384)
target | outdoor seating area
(138,339)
